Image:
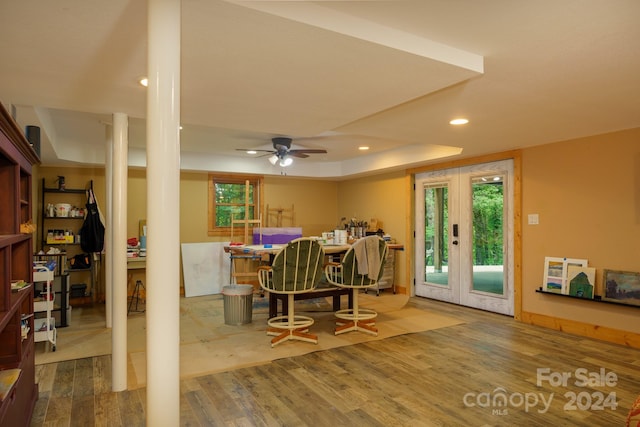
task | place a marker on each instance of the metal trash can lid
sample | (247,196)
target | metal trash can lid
(237,290)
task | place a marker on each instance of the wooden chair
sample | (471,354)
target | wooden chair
(360,268)
(296,268)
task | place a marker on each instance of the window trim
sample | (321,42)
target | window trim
(212,179)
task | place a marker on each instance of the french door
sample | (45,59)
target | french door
(464,236)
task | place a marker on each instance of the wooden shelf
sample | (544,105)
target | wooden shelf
(66,190)
(16,263)
(75,197)
(63,217)
(596,298)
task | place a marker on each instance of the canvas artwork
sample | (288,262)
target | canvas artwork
(205,267)
(621,287)
(581,281)
(556,272)
(553,274)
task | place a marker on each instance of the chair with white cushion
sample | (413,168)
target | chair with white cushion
(295,269)
(360,268)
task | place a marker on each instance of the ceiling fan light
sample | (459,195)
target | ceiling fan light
(273,159)
(286,162)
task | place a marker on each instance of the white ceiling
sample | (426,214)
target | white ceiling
(330,74)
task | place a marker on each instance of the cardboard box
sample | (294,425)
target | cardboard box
(60,240)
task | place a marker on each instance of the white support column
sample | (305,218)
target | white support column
(163,214)
(119,253)
(108,234)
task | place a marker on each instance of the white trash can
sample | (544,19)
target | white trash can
(238,304)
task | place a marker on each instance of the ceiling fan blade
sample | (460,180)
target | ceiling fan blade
(282,149)
(252,149)
(308,151)
(298,154)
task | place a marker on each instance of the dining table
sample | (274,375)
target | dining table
(272,249)
(268,251)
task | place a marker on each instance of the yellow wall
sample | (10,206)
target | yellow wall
(137,200)
(585,191)
(587,194)
(383,197)
(315,201)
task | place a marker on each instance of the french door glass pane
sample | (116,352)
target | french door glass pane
(488,234)
(436,220)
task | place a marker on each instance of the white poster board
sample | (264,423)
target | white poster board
(205,267)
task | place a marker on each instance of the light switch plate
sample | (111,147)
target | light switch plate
(533,219)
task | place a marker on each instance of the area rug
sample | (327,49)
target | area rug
(207,345)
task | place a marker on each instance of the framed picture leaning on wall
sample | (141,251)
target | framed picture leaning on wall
(581,281)
(621,287)
(556,271)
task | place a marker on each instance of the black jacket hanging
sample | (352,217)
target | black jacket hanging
(92,230)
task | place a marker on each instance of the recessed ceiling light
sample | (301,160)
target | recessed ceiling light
(144,81)
(363,148)
(252,152)
(459,121)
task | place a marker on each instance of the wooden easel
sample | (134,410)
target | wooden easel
(245,221)
(254,223)
(246,266)
(279,214)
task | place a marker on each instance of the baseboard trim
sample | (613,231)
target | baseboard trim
(616,336)
(401,290)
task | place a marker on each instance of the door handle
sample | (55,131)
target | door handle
(455,230)
(455,242)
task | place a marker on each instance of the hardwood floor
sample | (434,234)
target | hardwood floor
(453,376)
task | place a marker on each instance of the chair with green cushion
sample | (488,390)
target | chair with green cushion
(295,269)
(360,268)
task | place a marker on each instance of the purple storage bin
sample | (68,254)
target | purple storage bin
(276,235)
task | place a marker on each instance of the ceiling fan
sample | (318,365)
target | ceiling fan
(282,152)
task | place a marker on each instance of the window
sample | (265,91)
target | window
(237,195)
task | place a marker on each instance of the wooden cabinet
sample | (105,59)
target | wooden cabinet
(16,258)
